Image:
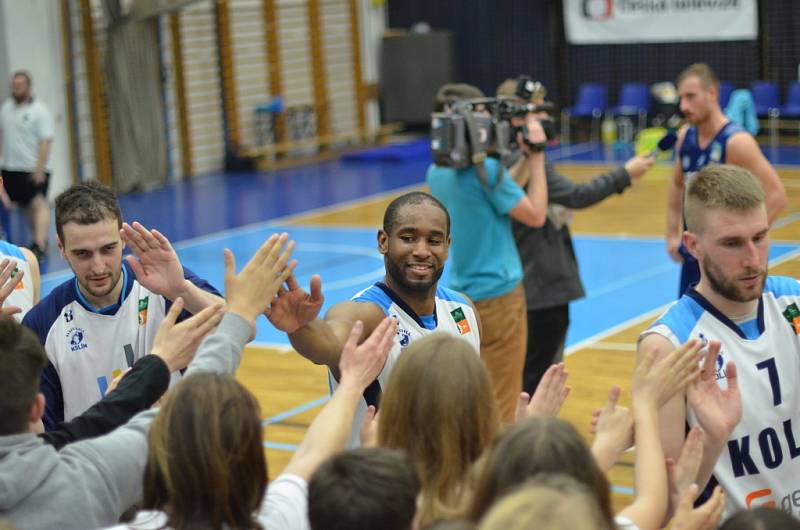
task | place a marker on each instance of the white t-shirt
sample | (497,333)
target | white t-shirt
(23,127)
(285,507)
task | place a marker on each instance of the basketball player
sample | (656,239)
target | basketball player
(710,138)
(100,322)
(751,446)
(414,242)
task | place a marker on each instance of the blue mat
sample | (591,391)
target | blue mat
(393,152)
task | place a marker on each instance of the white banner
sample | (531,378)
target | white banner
(632,21)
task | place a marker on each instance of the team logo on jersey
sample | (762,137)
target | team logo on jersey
(701,160)
(792,314)
(686,163)
(716,152)
(404,337)
(461,320)
(143,303)
(21,284)
(77,340)
(68,316)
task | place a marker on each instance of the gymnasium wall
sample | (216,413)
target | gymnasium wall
(526,36)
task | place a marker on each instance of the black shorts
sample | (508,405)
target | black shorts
(20,186)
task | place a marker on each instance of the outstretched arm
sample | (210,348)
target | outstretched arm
(321,341)
(675,186)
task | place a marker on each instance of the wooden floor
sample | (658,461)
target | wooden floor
(282,380)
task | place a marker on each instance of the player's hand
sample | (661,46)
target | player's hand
(176,343)
(656,382)
(361,363)
(639,165)
(548,397)
(718,411)
(293,307)
(706,517)
(250,292)
(10,277)
(155,263)
(673,244)
(38,177)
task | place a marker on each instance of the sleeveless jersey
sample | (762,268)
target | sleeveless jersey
(22,295)
(693,158)
(88,347)
(759,465)
(453,315)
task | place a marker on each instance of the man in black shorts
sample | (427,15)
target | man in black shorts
(27,130)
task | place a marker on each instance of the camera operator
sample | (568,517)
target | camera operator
(548,258)
(486,265)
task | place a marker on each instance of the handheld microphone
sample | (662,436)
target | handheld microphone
(668,141)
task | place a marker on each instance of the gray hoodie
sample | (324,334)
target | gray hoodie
(89,484)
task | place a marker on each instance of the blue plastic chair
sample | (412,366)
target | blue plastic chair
(766,97)
(592,102)
(791,106)
(726,88)
(634,98)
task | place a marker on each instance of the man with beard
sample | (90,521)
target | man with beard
(414,241)
(746,318)
(99,323)
(711,138)
(27,131)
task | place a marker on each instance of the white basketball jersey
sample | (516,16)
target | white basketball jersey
(453,315)
(88,347)
(22,295)
(759,465)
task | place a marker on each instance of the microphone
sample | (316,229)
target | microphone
(668,141)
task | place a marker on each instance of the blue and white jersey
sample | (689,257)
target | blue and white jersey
(760,463)
(87,347)
(694,158)
(22,295)
(453,314)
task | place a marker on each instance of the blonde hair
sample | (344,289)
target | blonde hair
(439,406)
(703,72)
(547,503)
(720,186)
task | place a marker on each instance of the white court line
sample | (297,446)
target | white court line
(614,346)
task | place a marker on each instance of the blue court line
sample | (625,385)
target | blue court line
(281,446)
(623,490)
(296,410)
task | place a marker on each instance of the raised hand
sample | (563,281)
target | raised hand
(361,364)
(155,263)
(368,433)
(293,308)
(250,292)
(656,382)
(612,426)
(706,517)
(718,411)
(177,343)
(548,396)
(10,276)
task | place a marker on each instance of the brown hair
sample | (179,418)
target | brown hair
(720,186)
(533,446)
(85,204)
(761,519)
(22,359)
(549,502)
(439,405)
(205,465)
(364,488)
(703,72)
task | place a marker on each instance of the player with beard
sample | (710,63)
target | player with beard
(746,318)
(710,138)
(414,242)
(99,323)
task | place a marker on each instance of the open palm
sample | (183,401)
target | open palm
(293,307)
